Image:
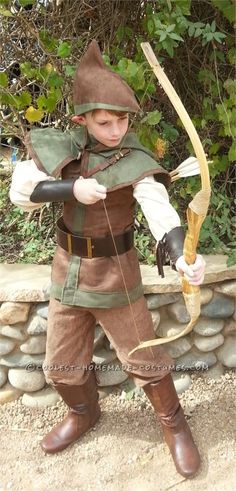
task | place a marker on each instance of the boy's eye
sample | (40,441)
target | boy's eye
(103,123)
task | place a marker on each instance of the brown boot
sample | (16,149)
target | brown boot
(177,433)
(83,414)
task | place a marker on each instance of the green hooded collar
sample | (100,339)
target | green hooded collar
(53,149)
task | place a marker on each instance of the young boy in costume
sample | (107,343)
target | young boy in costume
(104,170)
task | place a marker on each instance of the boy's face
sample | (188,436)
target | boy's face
(108,128)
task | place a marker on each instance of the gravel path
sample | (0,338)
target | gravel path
(125,451)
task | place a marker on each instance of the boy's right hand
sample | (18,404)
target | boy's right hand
(88,191)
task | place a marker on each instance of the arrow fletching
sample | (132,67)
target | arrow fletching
(190,167)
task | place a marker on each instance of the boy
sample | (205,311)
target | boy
(103,170)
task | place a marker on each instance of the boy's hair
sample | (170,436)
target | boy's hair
(111,111)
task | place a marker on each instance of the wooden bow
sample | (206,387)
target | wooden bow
(197,209)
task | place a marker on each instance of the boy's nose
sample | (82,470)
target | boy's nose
(115,131)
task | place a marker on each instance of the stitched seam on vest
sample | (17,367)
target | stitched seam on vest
(33,154)
(72,276)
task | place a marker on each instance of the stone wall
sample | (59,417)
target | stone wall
(209,349)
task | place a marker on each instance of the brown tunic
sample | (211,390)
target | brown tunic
(96,282)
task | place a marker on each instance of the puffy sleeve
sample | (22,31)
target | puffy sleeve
(25,178)
(154,201)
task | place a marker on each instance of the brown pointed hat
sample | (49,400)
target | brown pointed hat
(98,87)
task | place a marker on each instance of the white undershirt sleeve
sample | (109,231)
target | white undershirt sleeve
(25,178)
(154,201)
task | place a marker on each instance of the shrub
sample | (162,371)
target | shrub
(41,45)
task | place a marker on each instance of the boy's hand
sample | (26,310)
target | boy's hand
(88,191)
(194,272)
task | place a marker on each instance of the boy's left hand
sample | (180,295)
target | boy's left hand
(194,273)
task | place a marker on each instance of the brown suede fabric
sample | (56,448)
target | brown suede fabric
(96,83)
(101,274)
(70,342)
(105,272)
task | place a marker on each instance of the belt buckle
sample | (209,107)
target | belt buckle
(89,247)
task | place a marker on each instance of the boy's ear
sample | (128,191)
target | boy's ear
(79,120)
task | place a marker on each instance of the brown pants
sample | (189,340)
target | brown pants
(70,339)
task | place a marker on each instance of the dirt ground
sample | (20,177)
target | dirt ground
(125,452)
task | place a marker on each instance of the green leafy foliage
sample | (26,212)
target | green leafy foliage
(70,70)
(227,7)
(5,12)
(48,42)
(132,72)
(207,32)
(166,26)
(218,230)
(64,50)
(194,42)
(25,3)
(3,79)
(33,115)
(25,99)
(26,239)
(152,118)
(49,101)
(143,244)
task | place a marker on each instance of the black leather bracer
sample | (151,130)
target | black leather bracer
(50,191)
(170,248)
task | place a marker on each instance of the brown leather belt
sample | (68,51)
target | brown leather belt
(90,247)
